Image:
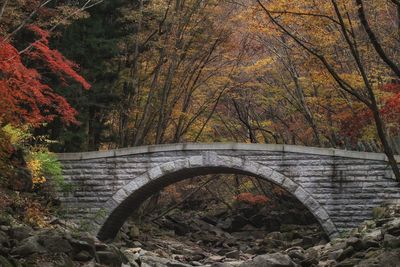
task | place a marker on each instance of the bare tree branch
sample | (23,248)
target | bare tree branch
(373,38)
(3,7)
(25,21)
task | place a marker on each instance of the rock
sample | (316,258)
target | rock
(296,253)
(5,228)
(109,258)
(5,219)
(375,235)
(160,262)
(84,244)
(273,240)
(391,241)
(134,232)
(382,259)
(221,264)
(270,260)
(334,255)
(366,225)
(348,263)
(297,242)
(393,227)
(137,244)
(312,255)
(4,251)
(355,242)
(62,259)
(83,256)
(132,254)
(327,263)
(91,263)
(20,233)
(382,222)
(367,243)
(237,223)
(226,224)
(235,254)
(347,252)
(27,247)
(5,263)
(215,258)
(4,240)
(52,242)
(372,253)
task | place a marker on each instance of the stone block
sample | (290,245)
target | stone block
(301,194)
(131,187)
(165,168)
(196,161)
(143,179)
(321,214)
(251,167)
(288,184)
(236,162)
(330,228)
(265,172)
(280,179)
(210,158)
(182,164)
(120,196)
(311,204)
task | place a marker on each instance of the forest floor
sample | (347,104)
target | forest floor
(244,236)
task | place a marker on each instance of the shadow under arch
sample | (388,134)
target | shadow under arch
(120,206)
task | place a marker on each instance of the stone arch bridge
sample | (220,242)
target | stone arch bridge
(339,187)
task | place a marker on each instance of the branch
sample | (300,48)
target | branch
(342,83)
(86,6)
(3,7)
(396,2)
(306,14)
(184,199)
(25,21)
(373,38)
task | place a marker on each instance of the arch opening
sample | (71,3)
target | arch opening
(132,195)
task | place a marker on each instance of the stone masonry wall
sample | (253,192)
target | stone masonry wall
(347,185)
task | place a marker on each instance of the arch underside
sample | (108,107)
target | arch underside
(132,195)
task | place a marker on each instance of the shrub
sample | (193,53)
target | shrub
(251,199)
(23,156)
(46,170)
(6,150)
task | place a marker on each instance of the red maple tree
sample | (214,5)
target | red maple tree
(353,124)
(24,97)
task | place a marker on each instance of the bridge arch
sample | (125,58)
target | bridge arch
(120,206)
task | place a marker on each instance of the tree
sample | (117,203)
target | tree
(26,97)
(351,43)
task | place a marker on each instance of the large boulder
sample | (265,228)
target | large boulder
(109,258)
(4,240)
(28,247)
(21,232)
(270,260)
(391,241)
(383,258)
(54,243)
(5,262)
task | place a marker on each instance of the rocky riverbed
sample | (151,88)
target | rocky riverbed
(206,243)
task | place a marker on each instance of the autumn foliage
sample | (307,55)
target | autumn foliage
(24,96)
(251,199)
(353,124)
